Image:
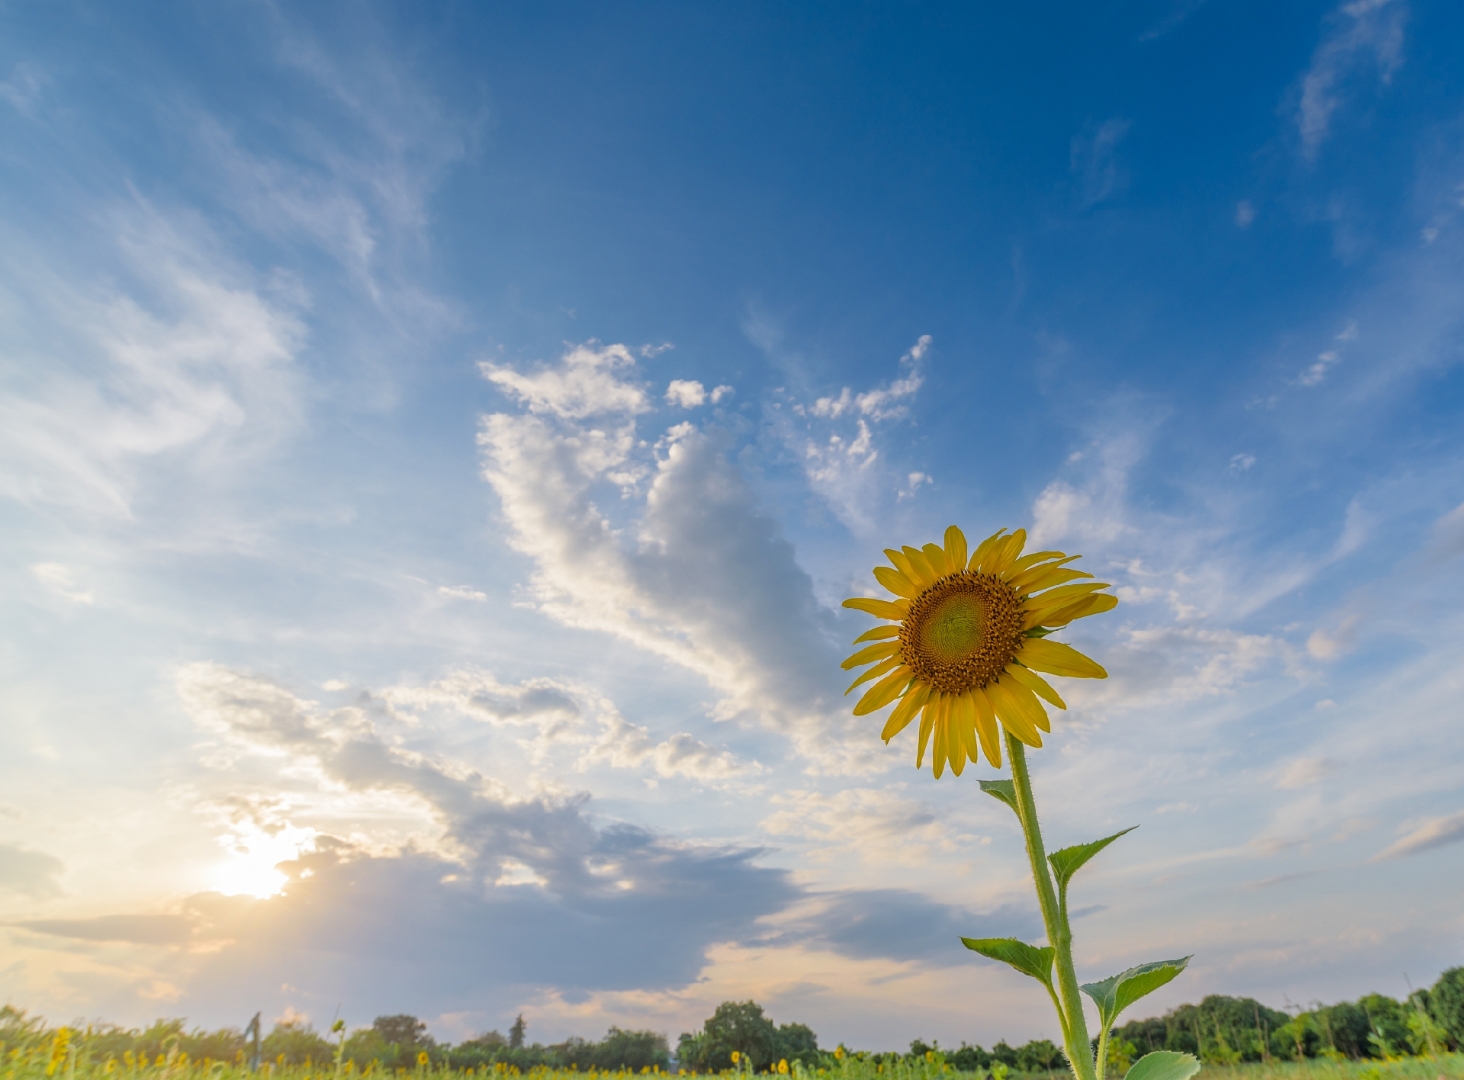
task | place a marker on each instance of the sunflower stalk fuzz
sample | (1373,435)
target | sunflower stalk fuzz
(962,656)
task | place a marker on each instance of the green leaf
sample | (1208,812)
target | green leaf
(1040,631)
(1004,790)
(1069,860)
(1116,993)
(1164,1065)
(1028,959)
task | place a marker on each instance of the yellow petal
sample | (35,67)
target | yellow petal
(883,609)
(871,653)
(896,582)
(873,673)
(902,564)
(1055,658)
(1044,577)
(986,727)
(905,711)
(877,633)
(935,556)
(884,691)
(955,548)
(955,745)
(1081,609)
(983,549)
(942,737)
(1027,561)
(1061,596)
(1002,556)
(963,715)
(927,721)
(921,565)
(1035,683)
(1024,697)
(1010,712)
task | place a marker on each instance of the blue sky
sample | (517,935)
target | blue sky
(435,439)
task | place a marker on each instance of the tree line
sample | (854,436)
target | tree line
(1219,1030)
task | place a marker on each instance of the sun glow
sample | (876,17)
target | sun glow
(252,868)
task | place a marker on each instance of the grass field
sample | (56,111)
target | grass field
(64,1059)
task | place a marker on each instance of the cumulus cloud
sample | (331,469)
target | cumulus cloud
(699,575)
(1425,836)
(689,394)
(520,896)
(1365,35)
(586,382)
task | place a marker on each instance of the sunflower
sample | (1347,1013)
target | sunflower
(967,640)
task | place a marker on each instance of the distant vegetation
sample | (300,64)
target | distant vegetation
(1225,1032)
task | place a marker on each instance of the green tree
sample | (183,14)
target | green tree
(633,1050)
(740,1026)
(1446,1004)
(797,1042)
(298,1042)
(1388,1020)
(1040,1055)
(405,1031)
(1004,1055)
(516,1033)
(969,1058)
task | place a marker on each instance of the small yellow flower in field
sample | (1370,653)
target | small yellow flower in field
(783,1067)
(967,639)
(930,1055)
(736,1057)
(111,1065)
(422,1058)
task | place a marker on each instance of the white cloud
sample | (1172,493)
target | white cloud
(628,746)
(1326,644)
(882,403)
(462,592)
(23,89)
(192,371)
(700,576)
(1245,213)
(688,393)
(840,460)
(1364,34)
(58,579)
(1426,835)
(585,383)
(1314,374)
(1095,162)
(1304,772)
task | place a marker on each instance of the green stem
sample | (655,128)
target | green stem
(1075,1025)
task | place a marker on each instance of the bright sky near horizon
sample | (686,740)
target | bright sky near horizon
(435,440)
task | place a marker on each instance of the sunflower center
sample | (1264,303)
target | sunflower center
(962,631)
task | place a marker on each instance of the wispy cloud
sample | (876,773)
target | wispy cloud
(1364,35)
(1095,163)
(1425,836)
(193,370)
